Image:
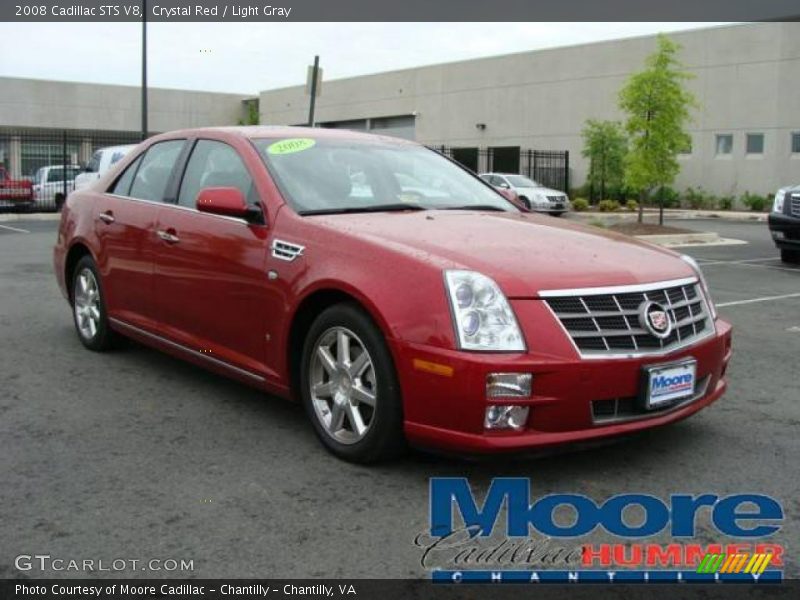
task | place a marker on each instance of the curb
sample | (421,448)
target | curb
(30,217)
(701,237)
(676,214)
(682,240)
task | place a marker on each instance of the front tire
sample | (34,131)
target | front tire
(790,256)
(88,307)
(349,386)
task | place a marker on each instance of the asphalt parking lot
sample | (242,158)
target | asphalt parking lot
(134,454)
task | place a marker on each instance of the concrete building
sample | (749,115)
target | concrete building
(36,116)
(745,136)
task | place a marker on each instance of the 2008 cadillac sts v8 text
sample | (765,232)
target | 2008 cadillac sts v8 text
(397,295)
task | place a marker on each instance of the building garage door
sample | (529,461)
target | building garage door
(402,127)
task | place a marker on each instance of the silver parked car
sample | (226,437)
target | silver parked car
(532,194)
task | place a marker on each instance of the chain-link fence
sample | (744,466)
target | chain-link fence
(38,167)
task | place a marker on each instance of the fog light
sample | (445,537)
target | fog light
(508,385)
(505,417)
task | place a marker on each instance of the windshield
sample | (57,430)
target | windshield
(329,176)
(520,181)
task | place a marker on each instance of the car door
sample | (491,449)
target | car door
(210,278)
(125,220)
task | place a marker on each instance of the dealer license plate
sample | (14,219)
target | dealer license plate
(667,384)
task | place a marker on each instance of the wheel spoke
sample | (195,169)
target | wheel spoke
(342,348)
(363,395)
(359,365)
(356,422)
(83,282)
(337,417)
(328,362)
(94,313)
(92,327)
(322,390)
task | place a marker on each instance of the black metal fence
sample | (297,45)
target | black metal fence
(38,166)
(548,167)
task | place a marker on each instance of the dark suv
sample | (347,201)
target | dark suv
(784,223)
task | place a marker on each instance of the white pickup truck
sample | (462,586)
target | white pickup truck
(49,189)
(102,160)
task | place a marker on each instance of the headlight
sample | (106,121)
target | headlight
(703,284)
(482,316)
(777,206)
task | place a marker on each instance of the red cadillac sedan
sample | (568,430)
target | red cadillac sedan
(395,294)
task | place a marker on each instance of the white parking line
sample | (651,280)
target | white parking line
(17,229)
(708,263)
(754,300)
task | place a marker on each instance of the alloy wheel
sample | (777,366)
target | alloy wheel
(87,304)
(342,385)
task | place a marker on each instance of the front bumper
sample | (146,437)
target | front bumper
(446,412)
(785,231)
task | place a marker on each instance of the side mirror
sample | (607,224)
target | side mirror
(226,201)
(504,185)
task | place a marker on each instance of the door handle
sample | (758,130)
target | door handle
(168,236)
(106,217)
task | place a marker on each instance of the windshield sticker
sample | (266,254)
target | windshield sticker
(291,146)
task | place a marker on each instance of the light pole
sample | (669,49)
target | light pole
(314,75)
(144,69)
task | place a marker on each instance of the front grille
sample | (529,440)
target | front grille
(794,205)
(630,408)
(607,320)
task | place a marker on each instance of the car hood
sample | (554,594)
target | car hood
(524,253)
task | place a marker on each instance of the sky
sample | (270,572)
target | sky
(250,57)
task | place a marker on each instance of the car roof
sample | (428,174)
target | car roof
(281,131)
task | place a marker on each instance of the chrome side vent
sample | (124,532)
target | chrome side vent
(286,250)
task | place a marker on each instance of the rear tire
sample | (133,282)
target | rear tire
(349,386)
(88,307)
(790,256)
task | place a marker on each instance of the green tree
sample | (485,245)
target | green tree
(253,117)
(657,106)
(605,145)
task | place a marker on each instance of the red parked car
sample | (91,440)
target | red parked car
(399,297)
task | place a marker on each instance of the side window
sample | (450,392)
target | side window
(214,164)
(123,185)
(153,175)
(54,175)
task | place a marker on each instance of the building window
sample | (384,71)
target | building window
(755,143)
(724,144)
(796,142)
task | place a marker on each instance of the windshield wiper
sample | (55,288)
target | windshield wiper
(475,207)
(364,209)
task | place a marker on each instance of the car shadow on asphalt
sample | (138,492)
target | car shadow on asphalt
(641,452)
